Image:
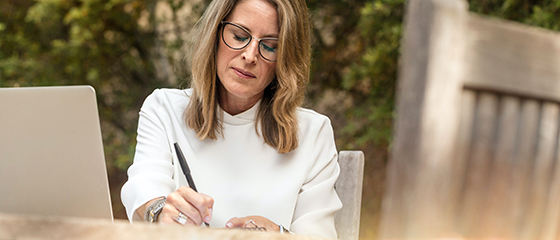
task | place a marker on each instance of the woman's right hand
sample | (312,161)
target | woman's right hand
(196,207)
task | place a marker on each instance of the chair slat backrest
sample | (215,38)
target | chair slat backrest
(508,166)
(476,150)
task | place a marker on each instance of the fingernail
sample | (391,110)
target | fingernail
(229,225)
(209,217)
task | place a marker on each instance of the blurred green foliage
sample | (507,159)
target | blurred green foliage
(127,48)
(356,52)
(69,42)
(540,13)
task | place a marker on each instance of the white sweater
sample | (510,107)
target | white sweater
(243,174)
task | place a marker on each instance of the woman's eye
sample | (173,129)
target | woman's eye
(240,38)
(268,48)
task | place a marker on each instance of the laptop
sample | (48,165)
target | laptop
(51,153)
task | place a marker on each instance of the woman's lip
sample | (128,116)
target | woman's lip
(243,74)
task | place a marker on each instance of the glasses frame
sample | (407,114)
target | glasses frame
(259,40)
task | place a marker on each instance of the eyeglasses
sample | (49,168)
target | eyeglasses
(237,38)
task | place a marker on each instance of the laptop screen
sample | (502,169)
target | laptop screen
(51,153)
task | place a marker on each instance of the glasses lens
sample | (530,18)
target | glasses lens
(268,47)
(235,37)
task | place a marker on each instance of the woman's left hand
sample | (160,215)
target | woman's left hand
(253,222)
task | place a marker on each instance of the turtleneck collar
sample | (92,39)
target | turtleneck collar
(242,118)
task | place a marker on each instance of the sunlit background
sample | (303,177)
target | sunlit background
(127,48)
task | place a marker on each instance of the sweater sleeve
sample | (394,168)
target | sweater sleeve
(151,174)
(317,201)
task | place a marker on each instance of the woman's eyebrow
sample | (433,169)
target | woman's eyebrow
(245,27)
(249,30)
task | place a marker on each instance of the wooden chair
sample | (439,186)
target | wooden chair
(476,144)
(349,189)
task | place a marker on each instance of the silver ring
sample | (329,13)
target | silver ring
(251,222)
(181,219)
(256,227)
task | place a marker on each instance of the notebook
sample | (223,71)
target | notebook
(51,153)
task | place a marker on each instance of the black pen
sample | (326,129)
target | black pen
(186,170)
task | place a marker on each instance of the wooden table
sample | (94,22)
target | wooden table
(40,227)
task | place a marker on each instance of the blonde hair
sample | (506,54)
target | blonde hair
(277,114)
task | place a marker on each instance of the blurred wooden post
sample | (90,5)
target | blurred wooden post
(476,144)
(416,202)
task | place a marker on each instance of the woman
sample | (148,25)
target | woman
(258,160)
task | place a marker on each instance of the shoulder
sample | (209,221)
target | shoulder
(169,93)
(164,96)
(166,101)
(309,118)
(313,123)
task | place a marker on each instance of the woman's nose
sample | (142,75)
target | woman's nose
(251,52)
